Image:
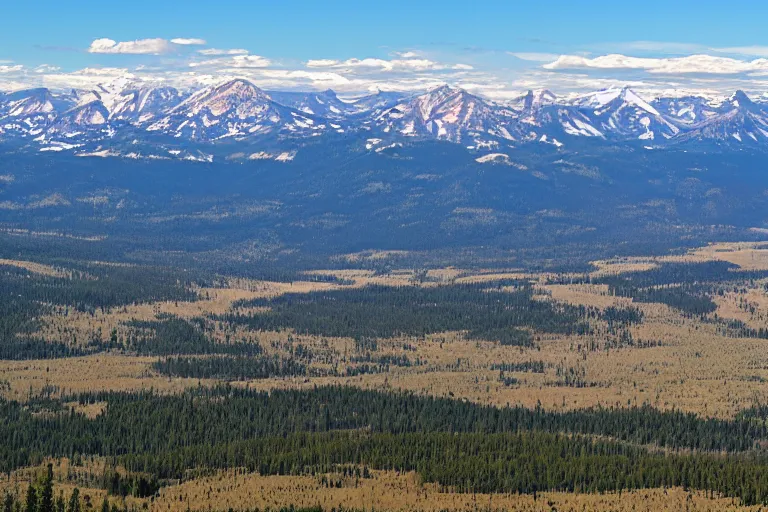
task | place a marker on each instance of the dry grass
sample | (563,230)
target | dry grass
(391,491)
(68,324)
(621,266)
(495,276)
(747,255)
(66,477)
(36,268)
(749,305)
(595,295)
(384,490)
(83,374)
(695,369)
(372,255)
(88,410)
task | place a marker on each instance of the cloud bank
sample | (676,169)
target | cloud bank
(652,67)
(155,46)
(702,64)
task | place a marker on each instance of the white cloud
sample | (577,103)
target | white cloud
(719,70)
(703,64)
(140,46)
(217,51)
(665,47)
(237,61)
(11,69)
(413,64)
(155,46)
(322,63)
(47,68)
(352,63)
(384,65)
(188,41)
(84,78)
(313,76)
(752,51)
(534,56)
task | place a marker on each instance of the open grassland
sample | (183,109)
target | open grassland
(391,491)
(747,255)
(83,374)
(379,490)
(700,363)
(676,361)
(37,268)
(694,368)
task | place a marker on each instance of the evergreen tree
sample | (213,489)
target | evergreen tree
(46,493)
(8,502)
(31,505)
(74,501)
(60,503)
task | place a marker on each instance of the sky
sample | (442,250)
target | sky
(498,49)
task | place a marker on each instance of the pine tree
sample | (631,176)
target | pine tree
(8,502)
(46,494)
(60,503)
(31,499)
(74,501)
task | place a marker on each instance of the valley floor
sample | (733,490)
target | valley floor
(713,364)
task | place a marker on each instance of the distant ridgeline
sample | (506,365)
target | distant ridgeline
(316,431)
(539,208)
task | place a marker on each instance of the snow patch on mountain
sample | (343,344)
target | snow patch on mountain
(493,158)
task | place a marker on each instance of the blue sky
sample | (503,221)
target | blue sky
(498,48)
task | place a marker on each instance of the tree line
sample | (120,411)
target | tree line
(522,462)
(148,423)
(230,367)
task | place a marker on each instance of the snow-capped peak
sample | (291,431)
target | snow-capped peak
(739,99)
(599,98)
(630,97)
(238,94)
(534,99)
(614,96)
(240,110)
(447,113)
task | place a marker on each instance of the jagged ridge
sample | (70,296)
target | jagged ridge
(239,110)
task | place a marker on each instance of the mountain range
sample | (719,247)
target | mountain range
(134,119)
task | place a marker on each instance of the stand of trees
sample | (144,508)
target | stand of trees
(690,299)
(230,367)
(683,286)
(527,366)
(39,495)
(27,296)
(465,446)
(149,424)
(175,336)
(523,462)
(383,312)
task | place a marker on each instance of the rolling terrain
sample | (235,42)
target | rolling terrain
(230,298)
